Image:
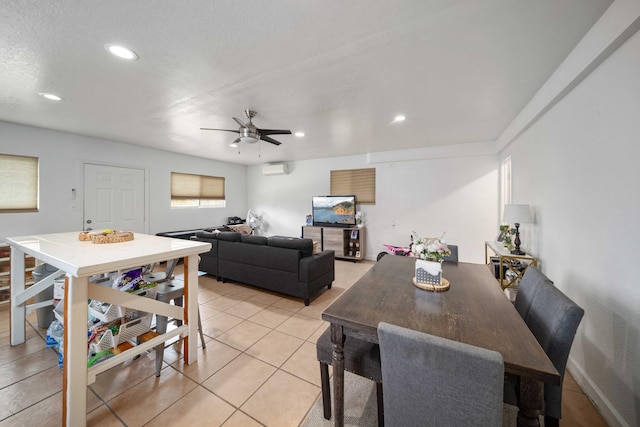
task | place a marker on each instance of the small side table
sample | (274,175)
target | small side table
(504,263)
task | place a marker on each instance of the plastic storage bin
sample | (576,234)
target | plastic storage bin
(128,329)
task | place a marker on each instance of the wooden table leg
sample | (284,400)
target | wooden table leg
(191,308)
(337,339)
(530,402)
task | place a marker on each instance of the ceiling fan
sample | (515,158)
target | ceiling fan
(251,134)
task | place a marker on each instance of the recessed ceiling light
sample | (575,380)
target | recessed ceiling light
(299,134)
(50,96)
(399,118)
(121,51)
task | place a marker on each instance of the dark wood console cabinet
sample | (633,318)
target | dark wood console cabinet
(347,243)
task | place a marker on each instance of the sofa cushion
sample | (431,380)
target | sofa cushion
(254,240)
(257,257)
(305,246)
(229,236)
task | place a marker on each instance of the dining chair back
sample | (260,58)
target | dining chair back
(453,258)
(529,286)
(553,318)
(433,381)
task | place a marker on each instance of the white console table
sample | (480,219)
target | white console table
(81,259)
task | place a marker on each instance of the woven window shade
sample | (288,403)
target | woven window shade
(189,186)
(361,182)
(18,183)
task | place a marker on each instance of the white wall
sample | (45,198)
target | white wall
(578,167)
(62,156)
(456,196)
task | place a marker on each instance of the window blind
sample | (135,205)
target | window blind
(189,186)
(361,182)
(18,183)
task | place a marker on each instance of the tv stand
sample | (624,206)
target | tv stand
(346,242)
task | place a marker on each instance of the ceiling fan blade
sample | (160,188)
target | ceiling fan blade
(225,130)
(274,132)
(240,122)
(268,139)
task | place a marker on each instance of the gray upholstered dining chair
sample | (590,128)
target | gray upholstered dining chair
(453,258)
(531,281)
(433,381)
(360,357)
(553,318)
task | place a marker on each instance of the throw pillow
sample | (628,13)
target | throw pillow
(241,228)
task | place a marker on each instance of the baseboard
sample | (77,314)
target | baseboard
(593,392)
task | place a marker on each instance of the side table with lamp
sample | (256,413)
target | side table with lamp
(511,264)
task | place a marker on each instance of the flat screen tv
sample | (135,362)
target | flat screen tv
(334,211)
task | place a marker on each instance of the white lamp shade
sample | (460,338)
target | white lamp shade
(516,214)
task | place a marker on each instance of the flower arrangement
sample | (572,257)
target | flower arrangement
(359,218)
(429,248)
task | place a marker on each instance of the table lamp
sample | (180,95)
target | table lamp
(516,214)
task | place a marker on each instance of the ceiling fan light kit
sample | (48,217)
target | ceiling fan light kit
(247,136)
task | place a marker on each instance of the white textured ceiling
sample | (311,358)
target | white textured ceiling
(460,70)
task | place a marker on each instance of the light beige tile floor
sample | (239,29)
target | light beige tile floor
(259,368)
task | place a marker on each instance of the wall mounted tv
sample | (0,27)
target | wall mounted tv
(334,211)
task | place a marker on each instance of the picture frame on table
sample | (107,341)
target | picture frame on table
(501,236)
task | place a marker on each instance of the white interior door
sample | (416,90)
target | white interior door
(114,198)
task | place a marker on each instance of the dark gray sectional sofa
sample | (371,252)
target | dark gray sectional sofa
(282,264)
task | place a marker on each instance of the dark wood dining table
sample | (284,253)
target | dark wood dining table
(474,310)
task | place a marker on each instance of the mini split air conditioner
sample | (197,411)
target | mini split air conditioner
(275,169)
